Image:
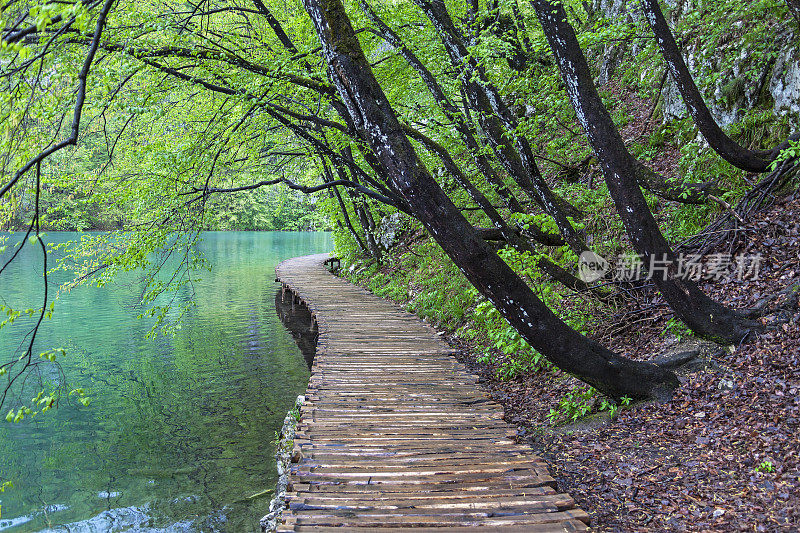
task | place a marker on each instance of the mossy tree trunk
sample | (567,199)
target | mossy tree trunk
(374,117)
(720,142)
(700,313)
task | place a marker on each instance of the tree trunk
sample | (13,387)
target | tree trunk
(727,148)
(498,123)
(459,121)
(794,7)
(703,315)
(376,120)
(328,177)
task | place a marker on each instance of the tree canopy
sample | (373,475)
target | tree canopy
(469,118)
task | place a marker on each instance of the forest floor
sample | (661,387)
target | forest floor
(724,453)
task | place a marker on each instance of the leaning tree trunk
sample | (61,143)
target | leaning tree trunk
(498,124)
(376,121)
(703,315)
(720,142)
(460,122)
(794,7)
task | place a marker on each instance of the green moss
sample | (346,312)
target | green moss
(733,91)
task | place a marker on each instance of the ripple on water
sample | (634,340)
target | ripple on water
(138,519)
(20,520)
(193,413)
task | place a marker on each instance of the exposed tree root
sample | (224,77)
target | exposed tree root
(685,193)
(792,294)
(728,226)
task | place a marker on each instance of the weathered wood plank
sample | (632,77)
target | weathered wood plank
(373,519)
(394,432)
(562,527)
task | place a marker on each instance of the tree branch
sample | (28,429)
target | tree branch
(78,109)
(296,187)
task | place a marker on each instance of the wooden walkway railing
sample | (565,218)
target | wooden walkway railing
(396,434)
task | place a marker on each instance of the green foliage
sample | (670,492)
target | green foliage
(677,328)
(518,356)
(295,413)
(543,221)
(581,401)
(787,154)
(43,402)
(520,363)
(765,467)
(574,405)
(5,485)
(388,287)
(271,209)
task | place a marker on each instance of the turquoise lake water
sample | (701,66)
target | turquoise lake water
(179,431)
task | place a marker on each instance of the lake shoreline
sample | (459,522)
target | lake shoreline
(176,434)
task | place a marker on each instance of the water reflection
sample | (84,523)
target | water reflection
(296,318)
(179,433)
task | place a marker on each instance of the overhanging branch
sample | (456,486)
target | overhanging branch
(296,187)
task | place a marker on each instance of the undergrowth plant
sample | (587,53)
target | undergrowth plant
(582,401)
(422,278)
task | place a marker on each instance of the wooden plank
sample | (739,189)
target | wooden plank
(466,487)
(562,527)
(554,501)
(406,519)
(374,494)
(395,434)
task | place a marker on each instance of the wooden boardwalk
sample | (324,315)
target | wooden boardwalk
(396,434)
